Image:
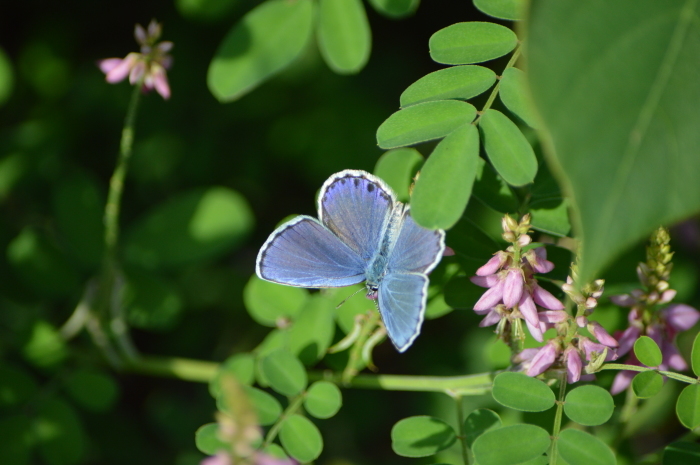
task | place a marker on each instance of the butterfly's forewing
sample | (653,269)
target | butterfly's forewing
(304,253)
(402,299)
(356,206)
(417,249)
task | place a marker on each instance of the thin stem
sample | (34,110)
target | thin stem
(462,432)
(553,452)
(669,374)
(181,368)
(355,361)
(495,90)
(290,410)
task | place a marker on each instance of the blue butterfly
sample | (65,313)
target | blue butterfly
(363,234)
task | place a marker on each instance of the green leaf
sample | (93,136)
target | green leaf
(507,149)
(462,293)
(421,436)
(395,8)
(456,82)
(521,392)
(301,439)
(267,302)
(444,186)
(688,406)
(681,453)
(313,330)
(344,36)
(503,9)
(624,136)
(268,39)
(16,387)
(151,302)
(323,399)
(94,390)
(59,434)
(473,42)
(241,366)
(695,355)
(45,347)
(267,408)
(206,438)
(437,306)
(193,226)
(647,352)
(493,191)
(647,384)
(424,122)
(510,445)
(514,95)
(284,372)
(580,448)
(16,434)
(478,422)
(345,315)
(205,10)
(397,168)
(7,77)
(589,405)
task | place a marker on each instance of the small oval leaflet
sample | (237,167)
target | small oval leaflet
(513,94)
(206,438)
(266,302)
(478,422)
(472,42)
(423,122)
(344,36)
(589,405)
(284,372)
(647,351)
(456,82)
(580,448)
(503,9)
(510,445)
(323,399)
(397,168)
(688,406)
(395,8)
(445,184)
(421,436)
(266,406)
(241,366)
(510,153)
(647,384)
(301,439)
(695,355)
(521,392)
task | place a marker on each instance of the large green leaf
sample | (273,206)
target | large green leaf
(580,448)
(623,124)
(266,40)
(344,36)
(445,183)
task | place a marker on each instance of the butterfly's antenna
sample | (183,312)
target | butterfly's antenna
(351,295)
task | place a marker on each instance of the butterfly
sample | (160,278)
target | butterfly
(363,233)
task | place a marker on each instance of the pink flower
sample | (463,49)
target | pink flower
(147,67)
(572,359)
(543,359)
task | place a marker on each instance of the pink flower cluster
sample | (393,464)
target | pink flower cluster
(147,67)
(259,458)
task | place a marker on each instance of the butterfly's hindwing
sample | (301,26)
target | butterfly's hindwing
(402,299)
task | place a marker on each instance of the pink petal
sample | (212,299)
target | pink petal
(602,335)
(624,300)
(526,355)
(491,266)
(589,347)
(137,72)
(165,46)
(681,317)
(262,458)
(627,339)
(581,321)
(542,360)
(140,34)
(524,240)
(513,290)
(485,281)
(573,365)
(491,297)
(545,299)
(491,318)
(553,316)
(160,81)
(448,252)
(622,381)
(540,263)
(108,64)
(528,309)
(535,330)
(667,296)
(122,70)
(672,357)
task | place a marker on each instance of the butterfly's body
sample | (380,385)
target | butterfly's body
(363,234)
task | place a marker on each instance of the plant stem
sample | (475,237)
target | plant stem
(495,90)
(553,452)
(290,410)
(669,374)
(462,433)
(181,368)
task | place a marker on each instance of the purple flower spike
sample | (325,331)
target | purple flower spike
(528,309)
(538,261)
(672,358)
(602,335)
(535,331)
(542,360)
(589,347)
(545,299)
(681,317)
(553,316)
(513,289)
(624,300)
(485,281)
(573,365)
(491,318)
(627,339)
(491,298)
(493,265)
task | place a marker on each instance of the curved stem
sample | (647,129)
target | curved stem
(669,374)
(554,452)
(494,92)
(290,410)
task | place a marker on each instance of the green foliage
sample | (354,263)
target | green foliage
(267,302)
(267,408)
(421,436)
(151,302)
(681,453)
(458,82)
(313,329)
(395,8)
(92,389)
(475,42)
(241,366)
(579,448)
(647,384)
(6,77)
(16,386)
(323,399)
(59,433)
(688,406)
(17,439)
(503,9)
(207,439)
(344,37)
(268,39)
(478,422)
(301,438)
(589,405)
(521,392)
(284,372)
(615,167)
(514,95)
(397,168)
(695,355)
(45,347)
(423,122)
(647,351)
(510,445)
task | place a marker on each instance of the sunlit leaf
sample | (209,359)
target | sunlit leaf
(421,436)
(397,168)
(647,351)
(472,42)
(323,399)
(521,392)
(395,8)
(507,149)
(478,422)
(503,9)
(284,372)
(688,406)
(510,445)
(301,438)
(589,405)
(580,448)
(344,36)
(456,82)
(514,95)
(267,302)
